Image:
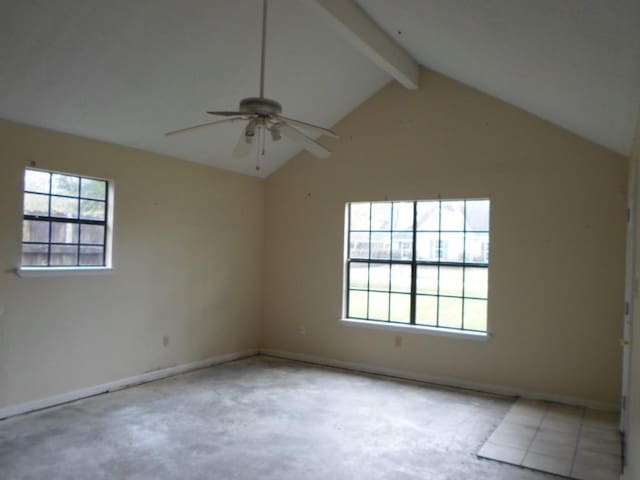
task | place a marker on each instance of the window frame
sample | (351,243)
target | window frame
(414,263)
(25,270)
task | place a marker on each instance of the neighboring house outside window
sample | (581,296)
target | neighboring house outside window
(65,221)
(422,263)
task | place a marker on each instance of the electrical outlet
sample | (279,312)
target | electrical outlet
(302,330)
(397,341)
(165,341)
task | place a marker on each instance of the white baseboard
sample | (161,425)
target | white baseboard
(440,380)
(121,383)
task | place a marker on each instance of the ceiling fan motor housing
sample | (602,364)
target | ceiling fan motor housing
(260,106)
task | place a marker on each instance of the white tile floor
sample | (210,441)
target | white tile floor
(570,441)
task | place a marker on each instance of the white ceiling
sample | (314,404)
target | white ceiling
(575,63)
(126,71)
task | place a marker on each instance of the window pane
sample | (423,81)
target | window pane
(360,216)
(92,234)
(450,312)
(477,248)
(381,216)
(91,255)
(35,231)
(402,246)
(452,215)
(35,204)
(359,245)
(96,189)
(378,277)
(403,216)
(92,210)
(427,281)
(64,207)
(476,282)
(426,310)
(64,232)
(35,181)
(401,278)
(64,255)
(400,308)
(451,281)
(451,247)
(381,245)
(477,215)
(475,314)
(357,304)
(34,255)
(358,275)
(378,306)
(65,185)
(427,246)
(428,215)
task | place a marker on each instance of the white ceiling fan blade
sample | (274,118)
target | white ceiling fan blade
(309,127)
(304,141)
(244,146)
(202,125)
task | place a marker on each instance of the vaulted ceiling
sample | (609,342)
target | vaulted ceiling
(126,71)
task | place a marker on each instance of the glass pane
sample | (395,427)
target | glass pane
(359,216)
(378,306)
(35,231)
(35,204)
(403,216)
(476,282)
(427,281)
(401,278)
(400,308)
(381,216)
(452,215)
(451,281)
(477,215)
(91,255)
(427,246)
(34,255)
(378,277)
(450,312)
(475,314)
(451,247)
(402,246)
(359,245)
(426,310)
(35,181)
(65,185)
(64,207)
(357,304)
(94,189)
(64,255)
(381,245)
(92,210)
(358,275)
(64,232)
(428,215)
(92,234)
(477,248)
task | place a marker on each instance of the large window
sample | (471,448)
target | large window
(65,220)
(421,263)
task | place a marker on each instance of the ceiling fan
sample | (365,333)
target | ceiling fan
(261,114)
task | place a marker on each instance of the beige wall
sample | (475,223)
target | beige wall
(633,429)
(557,240)
(187,258)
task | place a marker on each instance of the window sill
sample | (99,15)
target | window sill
(28,272)
(417,329)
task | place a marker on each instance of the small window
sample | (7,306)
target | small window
(65,220)
(422,263)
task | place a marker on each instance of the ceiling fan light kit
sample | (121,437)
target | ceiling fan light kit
(263,114)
